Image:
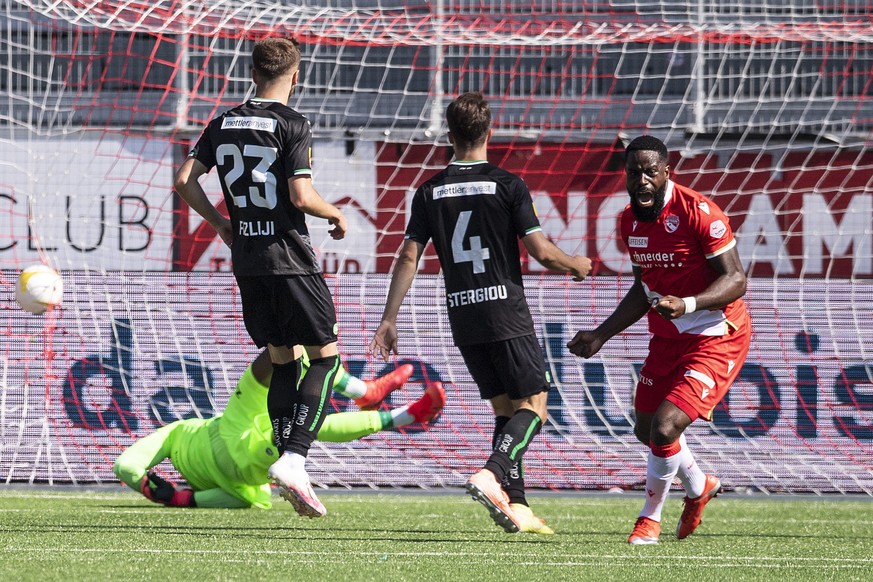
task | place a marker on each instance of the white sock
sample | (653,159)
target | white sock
(401,417)
(693,479)
(660,472)
(354,388)
(295,461)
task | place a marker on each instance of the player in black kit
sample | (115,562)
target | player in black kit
(475,213)
(262,150)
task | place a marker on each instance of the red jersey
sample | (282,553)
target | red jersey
(672,254)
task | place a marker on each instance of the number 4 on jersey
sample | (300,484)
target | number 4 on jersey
(476,254)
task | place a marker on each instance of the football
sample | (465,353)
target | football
(40,288)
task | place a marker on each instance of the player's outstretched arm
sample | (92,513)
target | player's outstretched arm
(133,468)
(402,274)
(136,460)
(631,309)
(546,253)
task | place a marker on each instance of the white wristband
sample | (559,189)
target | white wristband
(690,304)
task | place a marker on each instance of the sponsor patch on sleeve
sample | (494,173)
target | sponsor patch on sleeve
(717,229)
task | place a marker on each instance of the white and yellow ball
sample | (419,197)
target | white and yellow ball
(40,288)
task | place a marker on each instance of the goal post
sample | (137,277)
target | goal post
(767,110)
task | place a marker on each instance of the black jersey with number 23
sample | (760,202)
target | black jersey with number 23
(256,147)
(475,212)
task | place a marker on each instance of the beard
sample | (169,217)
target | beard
(649,213)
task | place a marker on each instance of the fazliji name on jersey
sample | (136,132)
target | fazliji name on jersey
(257,228)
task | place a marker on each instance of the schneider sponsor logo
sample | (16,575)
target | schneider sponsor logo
(464,189)
(481,295)
(255,123)
(652,258)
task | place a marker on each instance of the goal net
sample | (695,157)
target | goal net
(766,109)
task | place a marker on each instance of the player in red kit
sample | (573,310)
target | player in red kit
(689,282)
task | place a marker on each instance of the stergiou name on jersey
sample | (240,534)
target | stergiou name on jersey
(257,228)
(480,295)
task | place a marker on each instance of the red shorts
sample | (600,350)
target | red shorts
(693,373)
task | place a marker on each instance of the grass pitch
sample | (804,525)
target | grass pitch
(57,534)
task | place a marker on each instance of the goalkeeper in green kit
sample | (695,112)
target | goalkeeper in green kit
(224,459)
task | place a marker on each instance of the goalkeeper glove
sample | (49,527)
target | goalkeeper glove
(166,493)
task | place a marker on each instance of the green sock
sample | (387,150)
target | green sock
(386,418)
(342,427)
(348,385)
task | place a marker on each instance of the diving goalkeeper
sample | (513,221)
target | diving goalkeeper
(224,459)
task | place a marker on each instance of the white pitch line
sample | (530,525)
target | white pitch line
(646,557)
(712,565)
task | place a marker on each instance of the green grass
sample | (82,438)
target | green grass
(57,534)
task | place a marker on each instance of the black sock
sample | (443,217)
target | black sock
(513,483)
(315,389)
(499,423)
(282,400)
(513,441)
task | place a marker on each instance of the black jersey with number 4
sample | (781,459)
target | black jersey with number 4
(475,213)
(256,147)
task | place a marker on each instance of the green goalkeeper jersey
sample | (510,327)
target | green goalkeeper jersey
(233,450)
(229,455)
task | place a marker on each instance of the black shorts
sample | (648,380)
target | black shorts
(285,310)
(514,367)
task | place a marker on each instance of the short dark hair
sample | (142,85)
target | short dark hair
(469,119)
(648,143)
(274,57)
